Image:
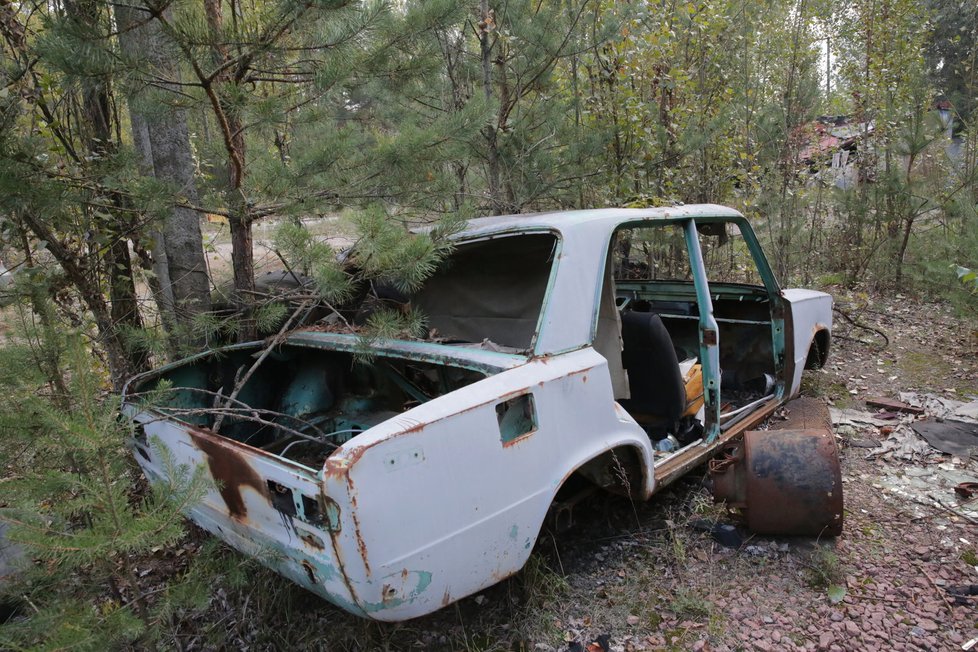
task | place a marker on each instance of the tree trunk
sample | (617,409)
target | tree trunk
(159,281)
(486,25)
(228,118)
(182,239)
(163,141)
(452,51)
(97,130)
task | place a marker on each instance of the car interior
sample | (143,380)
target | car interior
(658,312)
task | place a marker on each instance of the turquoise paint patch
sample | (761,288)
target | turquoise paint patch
(275,555)
(424,581)
(515,530)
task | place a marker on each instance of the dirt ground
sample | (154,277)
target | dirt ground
(650,576)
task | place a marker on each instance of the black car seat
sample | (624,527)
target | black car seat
(658,394)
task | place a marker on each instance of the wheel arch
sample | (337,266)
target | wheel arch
(818,349)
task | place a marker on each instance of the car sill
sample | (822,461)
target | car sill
(672,468)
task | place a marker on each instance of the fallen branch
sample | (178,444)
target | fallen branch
(269,347)
(236,414)
(856,324)
(244,407)
(320,299)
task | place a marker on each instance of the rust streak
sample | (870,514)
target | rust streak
(338,554)
(361,546)
(520,439)
(231,470)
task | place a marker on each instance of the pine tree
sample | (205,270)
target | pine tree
(72,504)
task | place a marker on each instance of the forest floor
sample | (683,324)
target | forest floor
(638,577)
(332,230)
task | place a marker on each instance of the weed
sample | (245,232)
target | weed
(705,507)
(541,584)
(654,619)
(717,624)
(824,569)
(678,545)
(969,557)
(687,603)
(822,384)
(828,280)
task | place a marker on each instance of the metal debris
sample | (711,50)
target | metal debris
(952,437)
(893,406)
(915,470)
(943,408)
(787,480)
(903,444)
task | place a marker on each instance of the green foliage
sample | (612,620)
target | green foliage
(72,505)
(825,571)
(969,557)
(386,323)
(387,254)
(269,316)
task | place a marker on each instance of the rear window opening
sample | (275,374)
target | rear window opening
(491,291)
(303,403)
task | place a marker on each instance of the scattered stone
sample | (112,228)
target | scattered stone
(928,625)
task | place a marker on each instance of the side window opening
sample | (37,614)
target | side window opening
(659,316)
(658,313)
(726,255)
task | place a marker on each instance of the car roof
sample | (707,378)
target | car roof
(610,218)
(568,317)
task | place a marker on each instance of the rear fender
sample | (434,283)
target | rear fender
(811,313)
(449,498)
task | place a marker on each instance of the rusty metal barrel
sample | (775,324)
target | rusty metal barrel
(784,481)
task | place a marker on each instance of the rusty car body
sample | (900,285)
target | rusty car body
(560,347)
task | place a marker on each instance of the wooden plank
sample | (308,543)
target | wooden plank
(893,406)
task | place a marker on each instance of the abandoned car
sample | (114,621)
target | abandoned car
(621,346)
